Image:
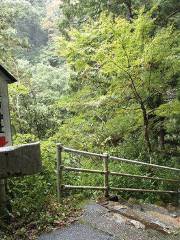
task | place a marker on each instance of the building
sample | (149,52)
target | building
(5,129)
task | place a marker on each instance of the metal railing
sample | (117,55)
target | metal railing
(61,187)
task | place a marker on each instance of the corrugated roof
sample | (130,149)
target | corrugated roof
(9,77)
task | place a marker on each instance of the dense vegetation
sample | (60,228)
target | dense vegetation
(95,75)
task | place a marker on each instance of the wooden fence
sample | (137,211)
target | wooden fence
(106,158)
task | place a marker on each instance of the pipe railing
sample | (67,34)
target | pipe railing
(106,173)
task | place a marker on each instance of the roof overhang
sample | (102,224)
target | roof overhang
(7,75)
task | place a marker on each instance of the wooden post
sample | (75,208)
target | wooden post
(59,172)
(3,211)
(106,175)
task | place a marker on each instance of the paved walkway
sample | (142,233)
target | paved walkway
(100,223)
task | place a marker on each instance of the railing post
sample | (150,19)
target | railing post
(106,174)
(59,172)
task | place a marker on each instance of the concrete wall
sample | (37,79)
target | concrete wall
(20,161)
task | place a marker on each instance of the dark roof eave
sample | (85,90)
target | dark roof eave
(10,78)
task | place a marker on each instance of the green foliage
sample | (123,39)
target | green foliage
(119,69)
(124,69)
(8,34)
(76,13)
(33,98)
(29,27)
(33,198)
(111,86)
(168,12)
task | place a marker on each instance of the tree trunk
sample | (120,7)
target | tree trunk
(146,128)
(129,7)
(161,138)
(145,116)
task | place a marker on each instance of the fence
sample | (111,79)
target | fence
(106,159)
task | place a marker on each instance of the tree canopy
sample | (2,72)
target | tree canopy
(126,66)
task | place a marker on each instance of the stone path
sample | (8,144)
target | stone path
(100,223)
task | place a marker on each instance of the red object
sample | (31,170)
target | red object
(3,141)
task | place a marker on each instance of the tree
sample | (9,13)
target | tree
(168,11)
(75,13)
(130,63)
(8,35)
(33,98)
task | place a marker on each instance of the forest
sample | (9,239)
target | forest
(95,75)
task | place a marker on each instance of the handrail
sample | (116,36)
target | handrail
(71,150)
(106,158)
(143,190)
(71,169)
(117,189)
(143,163)
(145,177)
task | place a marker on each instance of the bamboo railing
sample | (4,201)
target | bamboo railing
(61,187)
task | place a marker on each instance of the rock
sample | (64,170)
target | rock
(113,198)
(137,224)
(132,201)
(170,207)
(137,207)
(151,222)
(118,218)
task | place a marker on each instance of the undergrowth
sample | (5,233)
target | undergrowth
(33,199)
